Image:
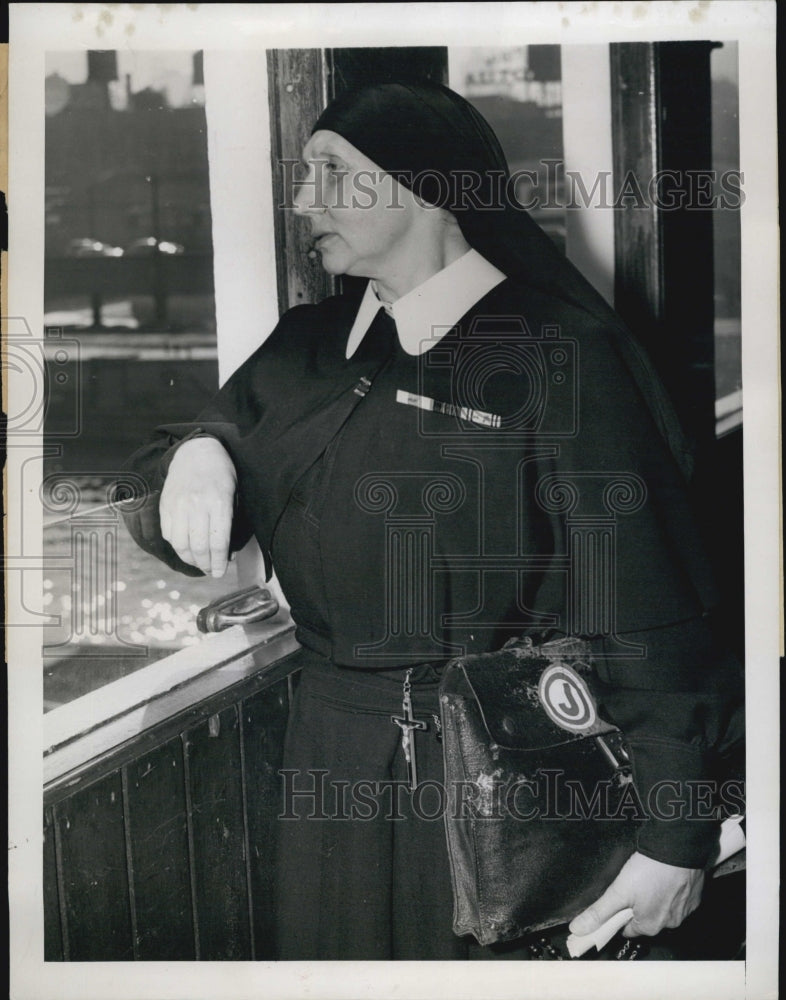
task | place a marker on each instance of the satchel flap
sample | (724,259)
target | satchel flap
(531,697)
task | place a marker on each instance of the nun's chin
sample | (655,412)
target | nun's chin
(332,266)
(332,259)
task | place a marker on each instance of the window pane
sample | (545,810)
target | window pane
(130,343)
(113,607)
(726,237)
(518,90)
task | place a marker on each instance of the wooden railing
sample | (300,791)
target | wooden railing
(161,799)
(161,791)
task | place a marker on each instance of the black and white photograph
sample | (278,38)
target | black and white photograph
(392,565)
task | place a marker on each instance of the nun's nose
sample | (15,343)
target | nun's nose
(308,198)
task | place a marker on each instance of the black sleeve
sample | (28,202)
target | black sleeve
(273,416)
(224,418)
(666,681)
(679,707)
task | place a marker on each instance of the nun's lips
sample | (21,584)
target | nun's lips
(321,239)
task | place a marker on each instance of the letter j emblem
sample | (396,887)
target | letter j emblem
(566,698)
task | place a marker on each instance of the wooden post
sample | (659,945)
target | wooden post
(661,107)
(297,96)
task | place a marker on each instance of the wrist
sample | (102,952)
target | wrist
(202,449)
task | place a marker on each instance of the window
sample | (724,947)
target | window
(130,343)
(518,90)
(726,238)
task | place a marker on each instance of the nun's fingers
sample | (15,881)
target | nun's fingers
(198,528)
(660,896)
(196,504)
(199,536)
(208,536)
(189,532)
(219,534)
(174,526)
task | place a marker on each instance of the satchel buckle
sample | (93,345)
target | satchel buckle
(614,750)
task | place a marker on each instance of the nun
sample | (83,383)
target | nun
(412,459)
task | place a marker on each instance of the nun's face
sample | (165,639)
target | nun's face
(364,223)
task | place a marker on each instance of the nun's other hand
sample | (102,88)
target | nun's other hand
(197,504)
(660,896)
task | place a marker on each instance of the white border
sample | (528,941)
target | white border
(36,28)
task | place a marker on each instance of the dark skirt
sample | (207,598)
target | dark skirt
(363,870)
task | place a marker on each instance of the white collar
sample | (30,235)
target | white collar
(424,315)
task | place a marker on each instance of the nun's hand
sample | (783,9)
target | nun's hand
(660,896)
(197,504)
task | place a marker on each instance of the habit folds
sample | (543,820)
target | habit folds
(502,515)
(436,535)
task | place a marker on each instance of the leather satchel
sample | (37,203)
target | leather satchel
(542,813)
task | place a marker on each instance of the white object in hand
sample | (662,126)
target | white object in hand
(600,937)
(731,840)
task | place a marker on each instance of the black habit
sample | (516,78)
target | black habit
(524,475)
(495,511)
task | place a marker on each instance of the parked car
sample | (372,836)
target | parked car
(84,246)
(146,246)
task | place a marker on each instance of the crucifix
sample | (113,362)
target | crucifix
(408,724)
